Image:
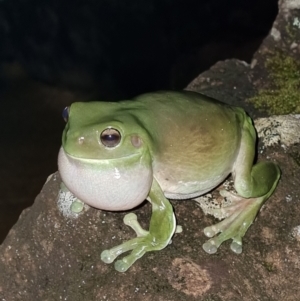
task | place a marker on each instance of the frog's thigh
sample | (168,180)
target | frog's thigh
(253,180)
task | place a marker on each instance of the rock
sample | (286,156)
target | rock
(49,255)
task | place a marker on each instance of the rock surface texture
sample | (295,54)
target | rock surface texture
(50,256)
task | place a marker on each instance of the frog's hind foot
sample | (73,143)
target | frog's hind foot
(138,247)
(239,213)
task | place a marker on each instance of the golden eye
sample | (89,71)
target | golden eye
(110,137)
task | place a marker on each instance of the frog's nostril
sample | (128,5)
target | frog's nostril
(80,140)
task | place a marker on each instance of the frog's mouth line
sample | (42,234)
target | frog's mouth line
(104,160)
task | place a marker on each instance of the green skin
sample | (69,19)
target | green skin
(176,145)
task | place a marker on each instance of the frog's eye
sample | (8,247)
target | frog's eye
(110,137)
(65,113)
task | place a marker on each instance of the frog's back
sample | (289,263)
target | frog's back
(176,102)
(195,140)
(165,104)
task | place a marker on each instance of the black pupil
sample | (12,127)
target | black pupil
(110,137)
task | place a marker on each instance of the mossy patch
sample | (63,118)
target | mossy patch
(283,94)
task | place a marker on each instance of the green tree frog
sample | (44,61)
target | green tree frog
(160,146)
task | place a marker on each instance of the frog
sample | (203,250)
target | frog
(162,146)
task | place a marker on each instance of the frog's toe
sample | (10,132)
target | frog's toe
(210,231)
(130,220)
(213,230)
(107,256)
(121,266)
(125,263)
(236,246)
(77,206)
(211,246)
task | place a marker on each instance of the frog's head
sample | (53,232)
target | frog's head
(105,160)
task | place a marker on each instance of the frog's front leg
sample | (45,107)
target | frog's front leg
(254,185)
(161,229)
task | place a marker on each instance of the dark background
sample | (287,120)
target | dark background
(56,52)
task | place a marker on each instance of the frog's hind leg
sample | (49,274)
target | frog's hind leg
(254,185)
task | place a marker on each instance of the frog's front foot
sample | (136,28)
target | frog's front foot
(77,206)
(144,242)
(239,214)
